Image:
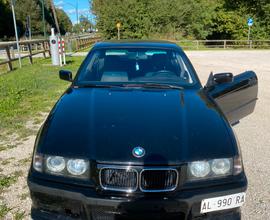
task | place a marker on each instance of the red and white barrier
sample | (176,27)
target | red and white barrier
(62,56)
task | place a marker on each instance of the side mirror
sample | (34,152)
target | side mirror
(65,75)
(219,78)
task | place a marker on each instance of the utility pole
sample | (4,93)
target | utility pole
(57,26)
(16,33)
(249,27)
(55,17)
(249,42)
(77,11)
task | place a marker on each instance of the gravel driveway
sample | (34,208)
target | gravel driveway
(253,133)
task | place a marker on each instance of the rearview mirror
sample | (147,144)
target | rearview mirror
(65,75)
(219,78)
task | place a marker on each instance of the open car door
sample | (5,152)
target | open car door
(236,96)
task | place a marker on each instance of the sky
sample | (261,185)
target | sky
(69,6)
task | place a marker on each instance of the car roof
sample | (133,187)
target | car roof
(136,43)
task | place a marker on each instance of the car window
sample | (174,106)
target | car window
(135,65)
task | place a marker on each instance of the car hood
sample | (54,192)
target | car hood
(104,125)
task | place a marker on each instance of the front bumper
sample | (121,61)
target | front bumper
(53,200)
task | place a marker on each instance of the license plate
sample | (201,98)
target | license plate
(223,202)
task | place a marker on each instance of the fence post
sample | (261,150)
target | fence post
(225,44)
(12,52)
(48,47)
(9,59)
(44,49)
(30,53)
(76,40)
(197,44)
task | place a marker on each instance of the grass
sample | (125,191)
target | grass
(24,161)
(7,180)
(7,161)
(19,215)
(26,92)
(85,49)
(24,196)
(9,146)
(4,210)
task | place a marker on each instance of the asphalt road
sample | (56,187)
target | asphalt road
(253,131)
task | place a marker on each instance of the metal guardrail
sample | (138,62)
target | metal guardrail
(223,44)
(28,48)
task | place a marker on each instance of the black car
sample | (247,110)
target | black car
(137,136)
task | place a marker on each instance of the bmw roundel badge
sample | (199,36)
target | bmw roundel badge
(138,152)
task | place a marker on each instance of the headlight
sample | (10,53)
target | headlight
(77,167)
(210,169)
(55,164)
(199,169)
(221,166)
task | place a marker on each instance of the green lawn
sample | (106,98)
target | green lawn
(27,92)
(3,67)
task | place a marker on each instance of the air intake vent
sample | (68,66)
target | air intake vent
(158,180)
(119,179)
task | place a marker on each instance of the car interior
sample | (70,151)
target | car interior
(136,66)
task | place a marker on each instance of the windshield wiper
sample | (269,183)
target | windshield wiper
(155,85)
(91,85)
(131,85)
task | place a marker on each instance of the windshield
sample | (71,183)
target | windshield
(135,65)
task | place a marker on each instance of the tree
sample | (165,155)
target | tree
(238,11)
(200,19)
(5,20)
(32,8)
(173,19)
(228,25)
(146,18)
(85,24)
(65,23)
(77,28)
(23,8)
